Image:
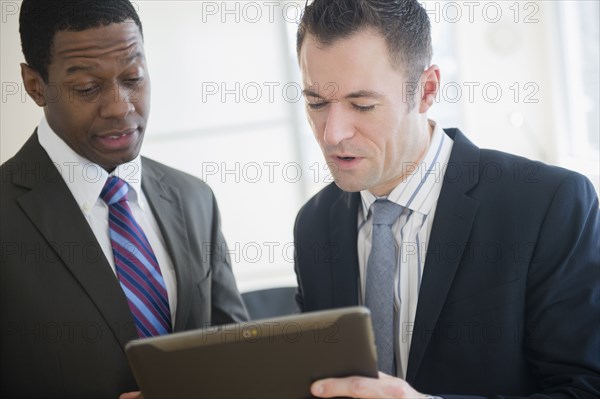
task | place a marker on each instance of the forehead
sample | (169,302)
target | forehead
(114,40)
(358,62)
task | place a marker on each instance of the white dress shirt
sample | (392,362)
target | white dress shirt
(418,194)
(86,180)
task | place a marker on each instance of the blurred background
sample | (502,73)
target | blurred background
(518,76)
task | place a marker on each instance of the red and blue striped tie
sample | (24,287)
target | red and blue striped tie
(136,264)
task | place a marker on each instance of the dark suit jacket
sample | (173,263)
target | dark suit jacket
(65,319)
(510,297)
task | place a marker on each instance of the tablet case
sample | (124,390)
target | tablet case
(271,358)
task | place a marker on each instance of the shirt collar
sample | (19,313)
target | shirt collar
(413,191)
(84,178)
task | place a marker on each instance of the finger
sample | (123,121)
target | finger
(384,376)
(354,387)
(131,395)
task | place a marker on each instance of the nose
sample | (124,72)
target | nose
(117,103)
(338,126)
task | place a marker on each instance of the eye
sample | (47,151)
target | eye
(317,106)
(363,108)
(87,91)
(132,82)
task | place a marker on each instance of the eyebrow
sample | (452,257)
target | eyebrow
(86,68)
(365,93)
(79,68)
(356,94)
(310,93)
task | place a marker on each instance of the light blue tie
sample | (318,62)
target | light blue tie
(381,266)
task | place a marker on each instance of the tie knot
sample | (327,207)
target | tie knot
(385,212)
(115,190)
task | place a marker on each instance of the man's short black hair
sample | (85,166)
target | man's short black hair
(41,19)
(404,24)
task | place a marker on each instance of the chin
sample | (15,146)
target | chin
(349,187)
(112,164)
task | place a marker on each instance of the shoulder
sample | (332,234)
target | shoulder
(174,177)
(27,168)
(527,177)
(320,203)
(495,175)
(330,202)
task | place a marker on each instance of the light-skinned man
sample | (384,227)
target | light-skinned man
(407,227)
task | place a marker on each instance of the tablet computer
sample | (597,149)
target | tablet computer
(270,358)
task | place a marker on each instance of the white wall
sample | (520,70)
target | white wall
(220,113)
(19,115)
(250,144)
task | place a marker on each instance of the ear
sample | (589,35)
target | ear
(34,84)
(429,84)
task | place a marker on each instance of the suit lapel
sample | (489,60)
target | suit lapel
(452,224)
(344,255)
(165,201)
(64,226)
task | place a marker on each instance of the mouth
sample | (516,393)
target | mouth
(118,139)
(116,134)
(346,161)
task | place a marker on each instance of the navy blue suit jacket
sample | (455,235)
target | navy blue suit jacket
(510,298)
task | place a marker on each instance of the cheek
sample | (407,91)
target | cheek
(376,134)
(317,123)
(141,96)
(404,150)
(392,144)
(69,115)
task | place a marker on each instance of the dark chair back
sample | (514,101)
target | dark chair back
(270,302)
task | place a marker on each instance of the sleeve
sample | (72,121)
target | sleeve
(563,294)
(562,323)
(299,297)
(227,304)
